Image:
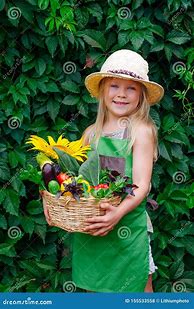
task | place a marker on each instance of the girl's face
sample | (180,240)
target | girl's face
(121,96)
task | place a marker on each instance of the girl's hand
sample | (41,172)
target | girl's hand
(102,225)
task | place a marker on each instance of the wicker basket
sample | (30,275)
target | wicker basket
(68,214)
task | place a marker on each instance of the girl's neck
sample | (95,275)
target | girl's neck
(114,124)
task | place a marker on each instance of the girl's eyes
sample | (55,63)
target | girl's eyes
(116,86)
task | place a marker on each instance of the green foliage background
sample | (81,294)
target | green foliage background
(42,93)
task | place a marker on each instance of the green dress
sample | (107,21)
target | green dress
(119,261)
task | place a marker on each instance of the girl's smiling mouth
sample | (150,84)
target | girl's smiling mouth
(120,103)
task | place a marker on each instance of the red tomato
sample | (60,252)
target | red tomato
(105,186)
(101,186)
(62,177)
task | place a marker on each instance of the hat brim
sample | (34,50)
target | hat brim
(155,91)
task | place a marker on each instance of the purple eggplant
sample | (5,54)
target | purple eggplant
(56,169)
(47,173)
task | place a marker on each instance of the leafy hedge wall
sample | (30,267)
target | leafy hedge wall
(47,49)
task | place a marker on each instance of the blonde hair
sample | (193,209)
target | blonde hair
(141,114)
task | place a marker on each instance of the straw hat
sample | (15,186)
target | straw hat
(125,64)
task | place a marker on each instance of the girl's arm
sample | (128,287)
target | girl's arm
(143,153)
(86,134)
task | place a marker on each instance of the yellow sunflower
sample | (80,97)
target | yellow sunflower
(74,149)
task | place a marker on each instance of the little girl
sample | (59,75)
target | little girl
(116,255)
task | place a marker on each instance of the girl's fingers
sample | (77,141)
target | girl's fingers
(94,220)
(93,227)
(102,232)
(104,204)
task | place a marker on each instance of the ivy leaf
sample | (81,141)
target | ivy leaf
(26,11)
(2,4)
(46,266)
(123,38)
(178,37)
(11,202)
(7,249)
(157,47)
(51,43)
(30,267)
(71,100)
(40,66)
(94,38)
(136,39)
(158,30)
(40,230)
(177,269)
(168,122)
(34,207)
(31,173)
(189,244)
(70,86)
(178,195)
(27,224)
(96,11)
(4,170)
(136,4)
(176,151)
(155,116)
(168,52)
(43,4)
(164,152)
(12,159)
(52,87)
(3,222)
(53,109)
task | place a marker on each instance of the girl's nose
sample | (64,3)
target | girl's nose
(122,93)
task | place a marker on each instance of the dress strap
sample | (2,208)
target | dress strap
(126,133)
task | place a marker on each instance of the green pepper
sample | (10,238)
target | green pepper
(53,187)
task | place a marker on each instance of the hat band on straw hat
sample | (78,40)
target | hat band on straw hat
(132,74)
